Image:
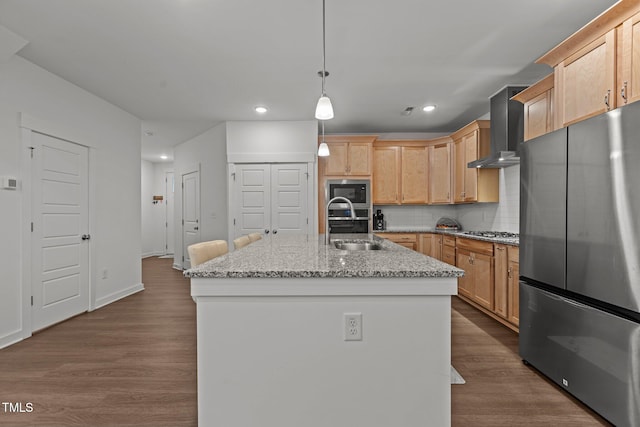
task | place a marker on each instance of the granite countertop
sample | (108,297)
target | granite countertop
(503,240)
(282,256)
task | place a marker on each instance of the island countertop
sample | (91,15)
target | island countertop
(307,256)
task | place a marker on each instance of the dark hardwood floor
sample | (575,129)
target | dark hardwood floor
(133,363)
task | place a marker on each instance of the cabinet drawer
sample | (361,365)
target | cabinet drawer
(476,246)
(400,237)
(448,240)
(449,255)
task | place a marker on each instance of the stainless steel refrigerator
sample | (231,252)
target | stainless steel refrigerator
(580,261)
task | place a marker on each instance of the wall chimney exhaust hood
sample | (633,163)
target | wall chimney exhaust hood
(507,130)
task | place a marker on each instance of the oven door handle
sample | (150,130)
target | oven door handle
(347,218)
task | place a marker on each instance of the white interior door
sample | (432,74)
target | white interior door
(169,214)
(190,214)
(271,198)
(289,198)
(253,199)
(60,245)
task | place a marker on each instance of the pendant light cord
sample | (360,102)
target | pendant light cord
(323,47)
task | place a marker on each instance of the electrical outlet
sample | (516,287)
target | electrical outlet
(353,326)
(565,382)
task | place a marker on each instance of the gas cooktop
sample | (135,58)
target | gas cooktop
(498,234)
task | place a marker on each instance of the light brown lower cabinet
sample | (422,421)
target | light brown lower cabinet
(475,257)
(430,244)
(505,286)
(501,285)
(513,306)
(449,250)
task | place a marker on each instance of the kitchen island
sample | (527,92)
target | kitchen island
(293,332)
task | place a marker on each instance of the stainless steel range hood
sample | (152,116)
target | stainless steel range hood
(507,130)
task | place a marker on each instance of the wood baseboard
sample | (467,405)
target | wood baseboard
(489,313)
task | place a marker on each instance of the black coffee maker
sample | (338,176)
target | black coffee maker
(378,220)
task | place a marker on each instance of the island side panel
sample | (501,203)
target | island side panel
(282,361)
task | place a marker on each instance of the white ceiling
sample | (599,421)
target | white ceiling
(183,66)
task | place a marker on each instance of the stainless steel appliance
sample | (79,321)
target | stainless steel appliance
(340,220)
(358,192)
(580,261)
(507,129)
(378,220)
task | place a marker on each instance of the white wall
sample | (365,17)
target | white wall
(272,141)
(502,216)
(208,154)
(59,108)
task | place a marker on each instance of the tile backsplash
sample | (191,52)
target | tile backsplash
(502,216)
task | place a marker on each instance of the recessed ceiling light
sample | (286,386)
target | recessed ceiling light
(164,157)
(428,108)
(261,110)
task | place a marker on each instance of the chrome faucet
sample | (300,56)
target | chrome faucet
(327,238)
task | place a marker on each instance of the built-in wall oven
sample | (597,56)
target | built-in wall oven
(358,191)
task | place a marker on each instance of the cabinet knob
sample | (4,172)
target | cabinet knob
(275,231)
(266,231)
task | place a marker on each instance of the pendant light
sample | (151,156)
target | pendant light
(323,149)
(324,109)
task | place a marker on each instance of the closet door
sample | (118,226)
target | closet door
(289,210)
(253,199)
(271,198)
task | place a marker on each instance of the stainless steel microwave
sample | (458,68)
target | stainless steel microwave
(358,191)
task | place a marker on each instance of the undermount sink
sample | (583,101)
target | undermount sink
(357,245)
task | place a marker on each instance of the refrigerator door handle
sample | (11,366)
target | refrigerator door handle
(577,304)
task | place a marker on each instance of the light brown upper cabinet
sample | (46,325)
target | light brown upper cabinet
(440,167)
(538,108)
(400,172)
(414,181)
(386,175)
(585,82)
(628,70)
(350,156)
(597,68)
(472,184)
